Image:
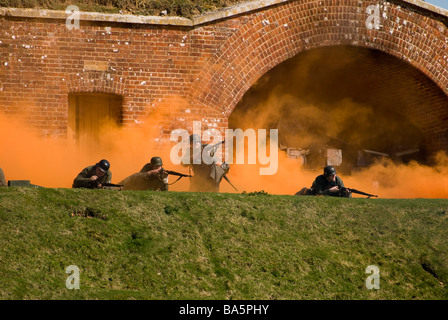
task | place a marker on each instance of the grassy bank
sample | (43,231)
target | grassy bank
(149,245)
(182,8)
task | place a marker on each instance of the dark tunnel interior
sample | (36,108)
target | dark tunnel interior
(348,106)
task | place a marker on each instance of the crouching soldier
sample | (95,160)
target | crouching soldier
(93,177)
(327,184)
(151,177)
(206,177)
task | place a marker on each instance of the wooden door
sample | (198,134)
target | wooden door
(90,115)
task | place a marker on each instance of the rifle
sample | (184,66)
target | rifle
(107,184)
(174,173)
(213,147)
(225,166)
(358,192)
(227,179)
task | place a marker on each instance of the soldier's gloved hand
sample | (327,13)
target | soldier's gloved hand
(163,174)
(152,172)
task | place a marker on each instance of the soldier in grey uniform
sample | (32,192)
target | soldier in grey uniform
(206,177)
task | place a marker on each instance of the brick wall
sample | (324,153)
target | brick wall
(199,71)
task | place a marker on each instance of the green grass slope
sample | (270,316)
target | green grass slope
(180,245)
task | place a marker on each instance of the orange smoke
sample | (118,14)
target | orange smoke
(55,162)
(386,179)
(411,180)
(303,125)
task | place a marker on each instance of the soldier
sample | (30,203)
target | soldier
(151,177)
(207,177)
(327,184)
(2,179)
(92,177)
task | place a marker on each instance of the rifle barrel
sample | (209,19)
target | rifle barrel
(174,173)
(112,185)
(227,179)
(363,193)
(211,147)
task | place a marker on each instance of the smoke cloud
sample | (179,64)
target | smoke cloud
(339,99)
(312,108)
(53,162)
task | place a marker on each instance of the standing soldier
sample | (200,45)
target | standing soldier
(151,177)
(93,177)
(207,177)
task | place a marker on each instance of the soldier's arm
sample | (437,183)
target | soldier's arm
(340,182)
(327,193)
(146,168)
(109,177)
(317,188)
(163,181)
(81,181)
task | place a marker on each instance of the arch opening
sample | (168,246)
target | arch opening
(347,106)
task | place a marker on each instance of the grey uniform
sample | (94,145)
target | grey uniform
(206,177)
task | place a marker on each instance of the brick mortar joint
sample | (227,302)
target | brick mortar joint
(237,9)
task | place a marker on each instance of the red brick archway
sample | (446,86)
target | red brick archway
(349,97)
(269,37)
(197,69)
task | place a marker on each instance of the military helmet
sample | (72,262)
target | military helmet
(195,138)
(156,161)
(104,165)
(329,171)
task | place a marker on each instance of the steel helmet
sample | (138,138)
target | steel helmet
(104,165)
(156,161)
(329,171)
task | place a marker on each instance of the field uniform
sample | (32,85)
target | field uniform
(83,178)
(141,181)
(321,186)
(206,177)
(323,183)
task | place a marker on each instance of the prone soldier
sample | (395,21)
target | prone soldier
(327,184)
(94,176)
(151,177)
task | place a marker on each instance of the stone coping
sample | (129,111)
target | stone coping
(236,9)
